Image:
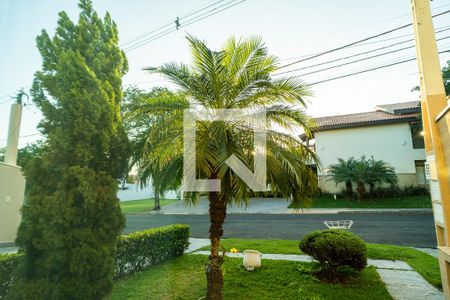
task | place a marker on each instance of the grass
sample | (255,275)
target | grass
(391,202)
(142,206)
(184,278)
(425,264)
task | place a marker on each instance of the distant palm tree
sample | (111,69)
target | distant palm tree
(378,172)
(236,77)
(344,172)
(362,171)
(141,126)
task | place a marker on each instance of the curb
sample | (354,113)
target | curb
(308,211)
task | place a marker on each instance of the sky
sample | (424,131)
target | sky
(289,28)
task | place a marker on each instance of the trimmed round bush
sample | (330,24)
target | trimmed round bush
(335,249)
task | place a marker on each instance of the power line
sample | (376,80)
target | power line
(189,22)
(170,23)
(192,22)
(351,62)
(368,70)
(354,55)
(444,28)
(5,101)
(25,136)
(357,42)
(378,22)
(362,25)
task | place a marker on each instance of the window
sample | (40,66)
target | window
(417,135)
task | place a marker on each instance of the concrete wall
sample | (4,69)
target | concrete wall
(391,143)
(12,189)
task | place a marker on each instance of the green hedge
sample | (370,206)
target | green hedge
(135,252)
(334,249)
(140,250)
(8,263)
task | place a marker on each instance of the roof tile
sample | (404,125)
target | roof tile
(380,116)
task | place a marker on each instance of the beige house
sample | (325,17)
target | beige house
(391,133)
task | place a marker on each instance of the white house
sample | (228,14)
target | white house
(391,133)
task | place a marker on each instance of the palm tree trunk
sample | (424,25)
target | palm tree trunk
(156,191)
(361,189)
(214,275)
(349,189)
(157,202)
(371,188)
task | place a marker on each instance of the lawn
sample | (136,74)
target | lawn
(184,278)
(391,202)
(142,206)
(423,263)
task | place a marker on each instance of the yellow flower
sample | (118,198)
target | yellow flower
(234,250)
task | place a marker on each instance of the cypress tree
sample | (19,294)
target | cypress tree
(72,219)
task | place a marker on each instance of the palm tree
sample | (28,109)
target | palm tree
(361,171)
(378,172)
(139,127)
(344,172)
(236,77)
(162,178)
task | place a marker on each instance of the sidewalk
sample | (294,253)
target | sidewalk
(272,206)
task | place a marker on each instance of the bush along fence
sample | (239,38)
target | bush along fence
(135,252)
(8,263)
(140,250)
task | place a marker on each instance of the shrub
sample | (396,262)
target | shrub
(395,191)
(135,252)
(8,263)
(335,249)
(414,190)
(140,250)
(71,220)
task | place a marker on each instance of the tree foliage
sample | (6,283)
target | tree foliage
(362,171)
(72,220)
(29,152)
(237,76)
(140,128)
(344,172)
(446,78)
(335,249)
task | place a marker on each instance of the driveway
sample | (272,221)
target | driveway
(256,205)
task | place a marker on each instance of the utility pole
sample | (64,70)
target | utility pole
(436,123)
(12,182)
(15,117)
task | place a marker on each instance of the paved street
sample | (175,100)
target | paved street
(406,229)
